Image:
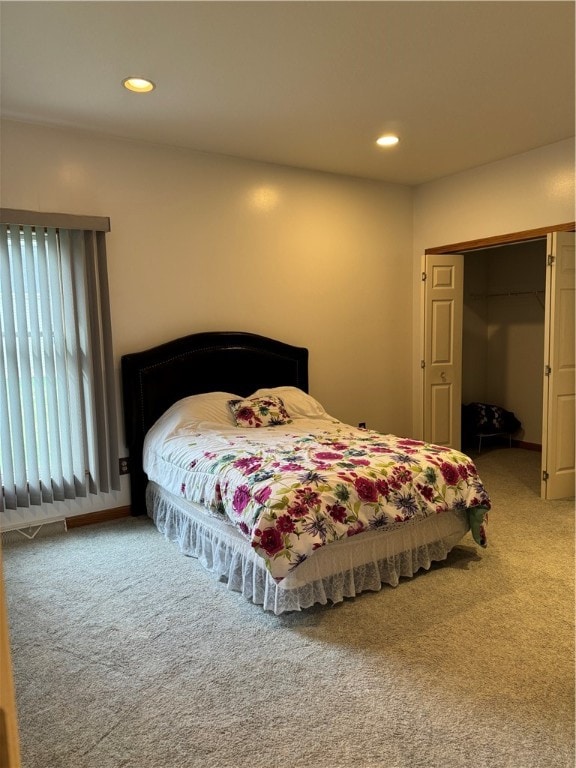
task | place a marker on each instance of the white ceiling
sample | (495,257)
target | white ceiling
(306,84)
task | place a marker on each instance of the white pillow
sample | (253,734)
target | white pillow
(194,412)
(298,404)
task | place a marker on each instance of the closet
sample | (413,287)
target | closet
(503,331)
(498,328)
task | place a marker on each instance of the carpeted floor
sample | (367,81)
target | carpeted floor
(127,654)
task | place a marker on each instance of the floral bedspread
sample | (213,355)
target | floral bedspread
(292,492)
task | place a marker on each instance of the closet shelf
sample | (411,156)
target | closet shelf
(537,294)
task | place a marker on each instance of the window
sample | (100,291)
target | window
(58,425)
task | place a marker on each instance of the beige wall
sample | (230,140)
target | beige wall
(527,191)
(202,242)
(205,242)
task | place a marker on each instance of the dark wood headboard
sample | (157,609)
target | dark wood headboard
(218,361)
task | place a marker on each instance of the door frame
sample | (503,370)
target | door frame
(508,239)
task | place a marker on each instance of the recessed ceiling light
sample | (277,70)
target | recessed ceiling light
(387,141)
(138,84)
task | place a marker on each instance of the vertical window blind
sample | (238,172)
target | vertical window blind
(58,422)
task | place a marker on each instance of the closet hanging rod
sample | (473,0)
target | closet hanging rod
(508,293)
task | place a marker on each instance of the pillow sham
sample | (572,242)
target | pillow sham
(267,411)
(211,407)
(298,403)
(196,412)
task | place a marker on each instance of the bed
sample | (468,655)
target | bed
(237,463)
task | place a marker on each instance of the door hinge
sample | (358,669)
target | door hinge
(545,475)
(551,259)
(547,370)
(424,276)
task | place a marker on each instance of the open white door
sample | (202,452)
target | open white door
(442,362)
(559,369)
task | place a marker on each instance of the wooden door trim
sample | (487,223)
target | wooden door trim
(513,237)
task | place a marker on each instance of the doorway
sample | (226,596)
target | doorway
(545,331)
(503,332)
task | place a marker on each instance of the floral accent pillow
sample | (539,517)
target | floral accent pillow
(268,411)
(299,404)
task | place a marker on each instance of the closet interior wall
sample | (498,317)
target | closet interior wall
(503,331)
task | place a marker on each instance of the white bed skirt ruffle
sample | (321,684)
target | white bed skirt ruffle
(341,569)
